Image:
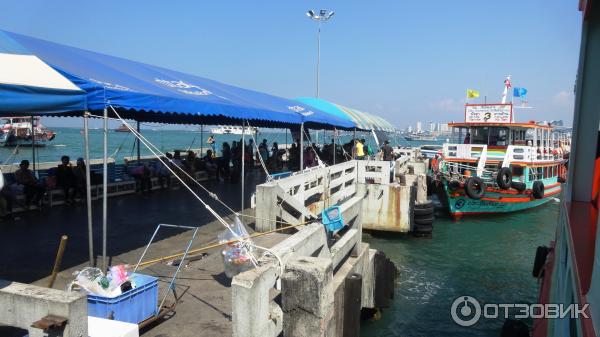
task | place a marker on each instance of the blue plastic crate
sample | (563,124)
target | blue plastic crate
(332,218)
(132,306)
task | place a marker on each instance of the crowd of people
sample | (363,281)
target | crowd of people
(71,179)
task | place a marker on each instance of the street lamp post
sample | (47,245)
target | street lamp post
(323,16)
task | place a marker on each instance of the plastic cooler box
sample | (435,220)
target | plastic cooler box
(332,218)
(132,306)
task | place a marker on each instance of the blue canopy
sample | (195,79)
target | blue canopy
(149,93)
(362,120)
(29,86)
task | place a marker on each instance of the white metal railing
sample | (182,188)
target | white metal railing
(304,195)
(482,160)
(514,153)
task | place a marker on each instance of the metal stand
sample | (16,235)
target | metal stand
(161,308)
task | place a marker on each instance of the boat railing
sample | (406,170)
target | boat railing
(514,153)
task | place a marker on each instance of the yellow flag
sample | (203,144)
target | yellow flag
(472,93)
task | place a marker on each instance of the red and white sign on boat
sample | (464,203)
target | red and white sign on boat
(488,113)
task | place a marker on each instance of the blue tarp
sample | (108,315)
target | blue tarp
(149,93)
(26,94)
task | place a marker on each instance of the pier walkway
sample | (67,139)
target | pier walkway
(29,242)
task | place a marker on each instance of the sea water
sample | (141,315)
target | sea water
(489,258)
(69,141)
(486,257)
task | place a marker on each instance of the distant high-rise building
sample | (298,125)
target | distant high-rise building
(410,128)
(419,126)
(431,127)
(444,127)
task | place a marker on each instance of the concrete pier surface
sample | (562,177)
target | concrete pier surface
(264,301)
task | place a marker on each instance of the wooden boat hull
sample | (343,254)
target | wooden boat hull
(497,201)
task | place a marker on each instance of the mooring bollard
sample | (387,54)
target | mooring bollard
(352,305)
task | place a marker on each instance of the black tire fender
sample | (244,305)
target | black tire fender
(475,188)
(537,190)
(504,178)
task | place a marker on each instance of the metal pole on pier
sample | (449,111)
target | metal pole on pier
(334,145)
(301,146)
(88,186)
(201,140)
(243,167)
(104,190)
(33,144)
(354,152)
(137,140)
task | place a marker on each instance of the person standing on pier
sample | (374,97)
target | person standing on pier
(211,141)
(388,152)
(359,150)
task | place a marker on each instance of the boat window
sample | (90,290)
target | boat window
(479,135)
(498,137)
(517,171)
(458,135)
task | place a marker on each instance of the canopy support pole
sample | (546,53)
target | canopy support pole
(243,166)
(334,145)
(138,143)
(301,146)
(201,140)
(88,186)
(104,190)
(355,152)
(33,144)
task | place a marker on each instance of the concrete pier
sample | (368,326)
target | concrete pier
(299,287)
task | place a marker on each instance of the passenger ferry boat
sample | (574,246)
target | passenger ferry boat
(496,165)
(233,130)
(18,131)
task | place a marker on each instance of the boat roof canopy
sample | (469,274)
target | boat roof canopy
(530,125)
(149,93)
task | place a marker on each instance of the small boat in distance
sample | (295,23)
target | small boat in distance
(122,128)
(18,131)
(420,137)
(233,130)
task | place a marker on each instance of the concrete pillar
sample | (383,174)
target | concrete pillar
(307,298)
(23,304)
(421,188)
(254,315)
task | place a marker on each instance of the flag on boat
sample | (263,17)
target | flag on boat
(520,92)
(472,93)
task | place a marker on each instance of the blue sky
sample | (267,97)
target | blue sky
(402,60)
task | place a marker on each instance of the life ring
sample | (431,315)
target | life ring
(504,178)
(453,185)
(537,189)
(519,186)
(475,188)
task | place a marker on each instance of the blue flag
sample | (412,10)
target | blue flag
(519,92)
